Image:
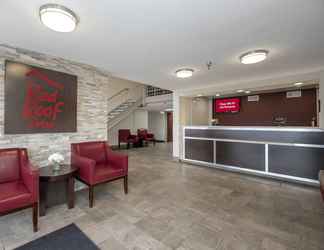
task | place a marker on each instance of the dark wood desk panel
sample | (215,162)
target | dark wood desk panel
(199,150)
(296,161)
(243,155)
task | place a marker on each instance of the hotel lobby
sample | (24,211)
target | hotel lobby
(178,125)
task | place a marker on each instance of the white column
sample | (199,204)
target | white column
(321,98)
(176,125)
(210,111)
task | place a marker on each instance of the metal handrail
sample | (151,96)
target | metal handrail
(117,94)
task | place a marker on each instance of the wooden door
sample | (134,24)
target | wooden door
(169,126)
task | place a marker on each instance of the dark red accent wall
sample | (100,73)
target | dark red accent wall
(298,111)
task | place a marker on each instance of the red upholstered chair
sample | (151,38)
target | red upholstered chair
(145,136)
(125,136)
(98,164)
(19,182)
(321,179)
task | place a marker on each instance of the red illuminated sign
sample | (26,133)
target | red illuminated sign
(41,107)
(227,105)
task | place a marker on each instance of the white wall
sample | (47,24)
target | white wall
(157,124)
(200,112)
(137,119)
(140,119)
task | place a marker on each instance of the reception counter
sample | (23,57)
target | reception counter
(289,153)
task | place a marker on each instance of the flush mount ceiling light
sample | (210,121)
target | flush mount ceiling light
(240,91)
(247,91)
(298,83)
(217,95)
(184,73)
(58,17)
(254,56)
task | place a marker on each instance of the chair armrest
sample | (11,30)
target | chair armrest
(118,159)
(30,177)
(86,167)
(150,135)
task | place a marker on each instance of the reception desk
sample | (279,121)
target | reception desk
(289,153)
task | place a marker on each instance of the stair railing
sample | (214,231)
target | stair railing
(125,95)
(115,100)
(118,93)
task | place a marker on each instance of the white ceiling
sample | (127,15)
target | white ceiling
(146,40)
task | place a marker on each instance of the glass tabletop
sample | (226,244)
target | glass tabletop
(49,170)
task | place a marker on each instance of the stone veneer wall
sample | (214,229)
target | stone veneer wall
(93,91)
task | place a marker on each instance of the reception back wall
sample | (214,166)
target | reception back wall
(93,91)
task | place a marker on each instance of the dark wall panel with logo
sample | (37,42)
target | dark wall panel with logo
(39,100)
(298,111)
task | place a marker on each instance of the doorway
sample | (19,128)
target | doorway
(169,126)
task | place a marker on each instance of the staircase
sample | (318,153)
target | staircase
(120,109)
(122,104)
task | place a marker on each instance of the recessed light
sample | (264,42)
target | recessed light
(217,95)
(199,95)
(58,17)
(239,90)
(254,56)
(247,91)
(184,73)
(298,83)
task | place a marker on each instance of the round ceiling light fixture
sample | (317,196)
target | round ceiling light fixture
(298,84)
(254,56)
(58,17)
(184,73)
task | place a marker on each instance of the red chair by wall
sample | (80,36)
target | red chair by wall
(98,164)
(321,179)
(125,136)
(19,183)
(145,136)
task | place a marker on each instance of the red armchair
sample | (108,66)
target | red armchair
(145,136)
(98,164)
(18,183)
(125,136)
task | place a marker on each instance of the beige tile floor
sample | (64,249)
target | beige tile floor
(179,206)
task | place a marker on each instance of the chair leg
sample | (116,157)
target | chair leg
(91,194)
(118,144)
(126,184)
(35,217)
(127,145)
